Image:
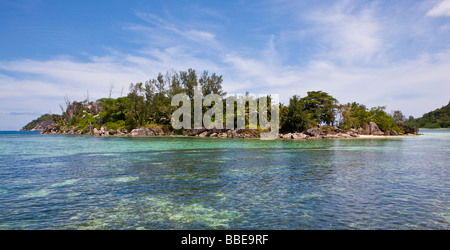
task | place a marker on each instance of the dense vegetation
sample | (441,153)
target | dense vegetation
(36,122)
(319,108)
(439,118)
(149,103)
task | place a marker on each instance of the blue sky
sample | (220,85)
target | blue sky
(393,53)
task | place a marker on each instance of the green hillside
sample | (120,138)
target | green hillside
(36,122)
(439,118)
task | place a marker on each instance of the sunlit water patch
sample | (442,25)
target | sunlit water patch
(40,193)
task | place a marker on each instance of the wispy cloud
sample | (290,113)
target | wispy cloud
(440,9)
(159,27)
(349,33)
(24,113)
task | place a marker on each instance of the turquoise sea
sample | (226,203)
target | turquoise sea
(84,182)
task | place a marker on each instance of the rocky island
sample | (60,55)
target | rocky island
(48,125)
(147,111)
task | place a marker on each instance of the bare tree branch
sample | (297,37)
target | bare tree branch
(111,87)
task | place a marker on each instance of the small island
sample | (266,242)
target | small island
(147,109)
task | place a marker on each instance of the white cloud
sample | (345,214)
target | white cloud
(68,75)
(350,34)
(39,86)
(445,27)
(163,29)
(199,35)
(440,9)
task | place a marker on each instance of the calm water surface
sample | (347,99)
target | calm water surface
(84,182)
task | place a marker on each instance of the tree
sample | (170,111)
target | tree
(353,115)
(151,102)
(174,82)
(189,82)
(211,84)
(320,107)
(111,88)
(160,105)
(114,112)
(137,110)
(398,116)
(293,117)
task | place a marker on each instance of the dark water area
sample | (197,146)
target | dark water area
(84,182)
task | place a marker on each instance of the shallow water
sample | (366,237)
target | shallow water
(84,182)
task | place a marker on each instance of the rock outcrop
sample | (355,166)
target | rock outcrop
(390,132)
(50,129)
(374,129)
(147,131)
(327,132)
(299,136)
(408,130)
(94,107)
(95,132)
(313,132)
(43,125)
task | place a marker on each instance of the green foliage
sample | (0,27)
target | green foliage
(353,115)
(34,123)
(114,112)
(398,116)
(82,119)
(137,110)
(115,125)
(293,118)
(85,121)
(302,113)
(320,107)
(211,84)
(439,118)
(383,120)
(58,120)
(150,102)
